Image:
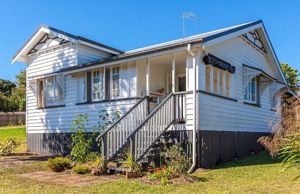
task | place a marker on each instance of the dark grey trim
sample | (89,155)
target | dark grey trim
(252,104)
(263,72)
(107,83)
(109,100)
(218,35)
(88,86)
(276,58)
(54,106)
(215,95)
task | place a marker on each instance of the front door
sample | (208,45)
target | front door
(181,83)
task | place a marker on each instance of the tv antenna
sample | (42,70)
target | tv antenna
(187,15)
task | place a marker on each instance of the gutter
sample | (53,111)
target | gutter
(194,153)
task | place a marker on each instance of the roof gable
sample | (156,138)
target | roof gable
(47,36)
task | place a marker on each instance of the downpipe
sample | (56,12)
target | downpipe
(194,153)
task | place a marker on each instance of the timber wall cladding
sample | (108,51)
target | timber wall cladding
(222,146)
(212,146)
(218,146)
(12,118)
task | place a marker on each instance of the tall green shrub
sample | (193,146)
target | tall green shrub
(81,141)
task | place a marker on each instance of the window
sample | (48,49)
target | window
(228,82)
(81,88)
(97,85)
(50,91)
(41,96)
(207,77)
(217,81)
(275,102)
(115,78)
(250,93)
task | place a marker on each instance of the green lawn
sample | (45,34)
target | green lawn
(17,132)
(254,174)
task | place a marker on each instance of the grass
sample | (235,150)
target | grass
(17,132)
(254,174)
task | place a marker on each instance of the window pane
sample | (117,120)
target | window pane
(250,91)
(221,82)
(115,81)
(50,96)
(97,85)
(81,91)
(228,82)
(207,78)
(215,79)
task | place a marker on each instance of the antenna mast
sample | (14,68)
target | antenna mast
(187,15)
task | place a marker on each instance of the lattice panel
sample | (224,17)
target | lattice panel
(253,38)
(44,40)
(276,87)
(248,75)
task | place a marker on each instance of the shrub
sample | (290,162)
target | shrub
(290,151)
(99,166)
(9,146)
(163,175)
(81,169)
(131,164)
(59,164)
(80,140)
(176,160)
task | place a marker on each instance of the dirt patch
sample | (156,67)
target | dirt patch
(18,159)
(68,179)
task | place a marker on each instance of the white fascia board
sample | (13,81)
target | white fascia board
(22,54)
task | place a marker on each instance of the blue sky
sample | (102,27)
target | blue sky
(133,24)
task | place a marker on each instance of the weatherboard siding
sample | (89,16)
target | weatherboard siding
(60,119)
(220,114)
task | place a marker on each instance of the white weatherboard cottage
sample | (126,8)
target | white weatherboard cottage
(215,92)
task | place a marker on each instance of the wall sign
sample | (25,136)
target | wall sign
(210,59)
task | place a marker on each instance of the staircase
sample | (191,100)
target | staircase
(140,131)
(113,139)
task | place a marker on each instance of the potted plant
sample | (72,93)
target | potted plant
(133,169)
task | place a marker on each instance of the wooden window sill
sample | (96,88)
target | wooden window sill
(252,104)
(110,100)
(217,95)
(52,106)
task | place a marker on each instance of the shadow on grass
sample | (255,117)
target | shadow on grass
(261,158)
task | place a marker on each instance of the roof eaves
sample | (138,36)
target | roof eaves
(275,55)
(226,32)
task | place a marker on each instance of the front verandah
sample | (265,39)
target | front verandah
(159,76)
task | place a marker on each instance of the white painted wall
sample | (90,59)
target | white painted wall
(221,114)
(60,119)
(214,113)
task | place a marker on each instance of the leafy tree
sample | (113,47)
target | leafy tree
(6,87)
(291,75)
(18,95)
(12,96)
(21,79)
